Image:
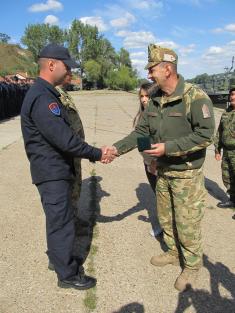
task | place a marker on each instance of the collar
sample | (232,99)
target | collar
(177,94)
(48,86)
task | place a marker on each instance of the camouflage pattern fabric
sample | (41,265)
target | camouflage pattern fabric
(225,136)
(184,121)
(158,54)
(181,203)
(76,125)
(228,172)
(225,140)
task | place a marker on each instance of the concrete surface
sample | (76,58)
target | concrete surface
(127,282)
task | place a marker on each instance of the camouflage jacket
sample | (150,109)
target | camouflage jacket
(73,115)
(184,121)
(225,136)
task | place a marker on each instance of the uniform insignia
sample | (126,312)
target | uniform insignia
(152,114)
(175,114)
(205,111)
(54,108)
(168,57)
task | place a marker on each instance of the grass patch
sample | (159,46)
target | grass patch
(90,299)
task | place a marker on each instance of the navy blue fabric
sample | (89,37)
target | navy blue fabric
(60,226)
(50,143)
(11,99)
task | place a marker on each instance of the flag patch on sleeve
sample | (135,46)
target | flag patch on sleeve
(205,111)
(54,108)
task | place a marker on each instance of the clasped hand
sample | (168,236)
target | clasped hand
(108,154)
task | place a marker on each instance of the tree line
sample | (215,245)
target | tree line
(100,66)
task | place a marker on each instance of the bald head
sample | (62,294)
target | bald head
(54,71)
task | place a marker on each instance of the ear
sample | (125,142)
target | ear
(168,70)
(51,65)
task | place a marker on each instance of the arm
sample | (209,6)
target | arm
(58,133)
(217,140)
(129,142)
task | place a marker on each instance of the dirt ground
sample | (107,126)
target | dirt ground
(122,245)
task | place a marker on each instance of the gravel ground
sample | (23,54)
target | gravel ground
(127,282)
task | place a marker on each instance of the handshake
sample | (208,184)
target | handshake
(108,154)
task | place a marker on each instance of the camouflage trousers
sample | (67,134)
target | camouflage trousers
(77,184)
(228,172)
(181,203)
(83,225)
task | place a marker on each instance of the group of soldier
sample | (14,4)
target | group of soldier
(179,121)
(11,98)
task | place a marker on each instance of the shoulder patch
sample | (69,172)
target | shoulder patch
(205,111)
(54,108)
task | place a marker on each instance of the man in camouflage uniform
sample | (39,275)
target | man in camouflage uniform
(225,139)
(180,123)
(76,125)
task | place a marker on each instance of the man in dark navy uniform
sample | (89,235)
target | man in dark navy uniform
(50,146)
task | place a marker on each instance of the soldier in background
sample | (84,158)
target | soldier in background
(76,125)
(81,225)
(225,140)
(180,123)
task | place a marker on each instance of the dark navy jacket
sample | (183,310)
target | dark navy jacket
(50,143)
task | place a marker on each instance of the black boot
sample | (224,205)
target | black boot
(80,281)
(226,204)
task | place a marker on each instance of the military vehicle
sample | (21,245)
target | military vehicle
(219,85)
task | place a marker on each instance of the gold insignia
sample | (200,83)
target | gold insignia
(205,111)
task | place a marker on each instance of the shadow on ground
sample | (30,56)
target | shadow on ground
(205,302)
(215,191)
(146,201)
(86,216)
(134,307)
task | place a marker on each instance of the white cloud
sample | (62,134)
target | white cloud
(51,19)
(146,5)
(216,58)
(139,39)
(217,30)
(184,51)
(123,21)
(230,28)
(167,44)
(53,5)
(137,54)
(122,33)
(227,28)
(95,21)
(214,50)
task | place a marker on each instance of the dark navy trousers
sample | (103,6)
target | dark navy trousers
(60,226)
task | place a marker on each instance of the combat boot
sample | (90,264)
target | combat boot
(186,279)
(165,259)
(226,204)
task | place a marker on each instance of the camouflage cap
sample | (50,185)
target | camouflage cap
(158,54)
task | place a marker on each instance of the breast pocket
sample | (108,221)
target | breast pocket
(177,125)
(153,118)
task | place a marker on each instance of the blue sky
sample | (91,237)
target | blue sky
(202,32)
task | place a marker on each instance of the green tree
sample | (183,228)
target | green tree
(4,38)
(37,36)
(93,71)
(124,58)
(82,41)
(107,58)
(122,79)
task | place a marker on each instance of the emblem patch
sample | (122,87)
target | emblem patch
(54,108)
(205,111)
